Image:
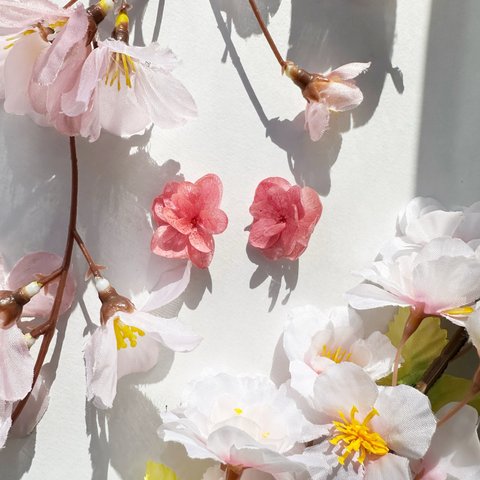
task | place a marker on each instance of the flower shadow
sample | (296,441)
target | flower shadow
(329,33)
(125,438)
(280,272)
(310,162)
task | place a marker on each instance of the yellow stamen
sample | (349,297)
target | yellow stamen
(120,65)
(459,312)
(357,437)
(57,24)
(338,356)
(126,332)
(265,435)
(238,411)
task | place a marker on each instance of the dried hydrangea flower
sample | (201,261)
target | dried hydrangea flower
(284,217)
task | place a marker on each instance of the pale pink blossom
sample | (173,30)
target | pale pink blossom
(454,453)
(334,91)
(284,217)
(372,432)
(129,340)
(441,279)
(128,88)
(188,215)
(245,422)
(314,340)
(16,363)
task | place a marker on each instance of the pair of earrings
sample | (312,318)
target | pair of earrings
(188,215)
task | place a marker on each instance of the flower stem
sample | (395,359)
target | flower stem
(94,268)
(232,473)
(440,364)
(67,258)
(70,3)
(411,325)
(265,31)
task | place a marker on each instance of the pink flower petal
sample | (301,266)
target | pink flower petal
(342,96)
(6,410)
(213,221)
(264,232)
(27,270)
(77,101)
(199,259)
(168,242)
(349,71)
(317,117)
(17,365)
(72,35)
(16,16)
(18,72)
(211,190)
(201,240)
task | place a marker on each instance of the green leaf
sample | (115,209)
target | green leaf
(158,471)
(420,349)
(451,389)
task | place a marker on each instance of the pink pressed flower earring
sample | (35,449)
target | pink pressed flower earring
(284,217)
(188,215)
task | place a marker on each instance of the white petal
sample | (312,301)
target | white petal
(303,378)
(340,388)
(405,420)
(365,296)
(141,358)
(5,421)
(101,366)
(165,98)
(171,285)
(169,332)
(473,328)
(390,466)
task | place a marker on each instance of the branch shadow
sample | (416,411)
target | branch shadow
(448,167)
(329,33)
(310,162)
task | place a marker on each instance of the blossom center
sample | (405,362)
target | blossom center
(354,436)
(338,355)
(121,65)
(126,332)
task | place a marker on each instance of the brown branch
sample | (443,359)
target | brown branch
(265,31)
(67,258)
(94,267)
(440,364)
(70,3)
(232,473)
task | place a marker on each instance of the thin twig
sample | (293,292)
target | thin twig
(70,3)
(440,364)
(94,268)
(265,31)
(67,258)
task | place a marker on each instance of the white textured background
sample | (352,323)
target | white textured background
(416,135)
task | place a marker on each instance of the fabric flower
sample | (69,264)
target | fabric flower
(284,217)
(473,329)
(16,363)
(37,74)
(455,449)
(373,432)
(441,279)
(424,219)
(314,340)
(188,215)
(243,422)
(334,91)
(128,341)
(127,88)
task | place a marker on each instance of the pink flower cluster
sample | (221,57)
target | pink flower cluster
(284,217)
(53,74)
(188,215)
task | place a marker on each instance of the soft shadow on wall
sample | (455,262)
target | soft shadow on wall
(448,155)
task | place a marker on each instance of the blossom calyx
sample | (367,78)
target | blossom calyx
(12,302)
(120,32)
(112,302)
(96,14)
(311,84)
